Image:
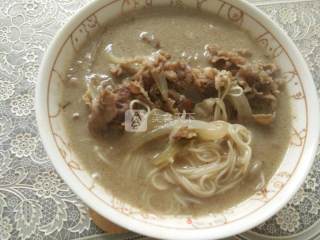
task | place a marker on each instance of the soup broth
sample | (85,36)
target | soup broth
(182,33)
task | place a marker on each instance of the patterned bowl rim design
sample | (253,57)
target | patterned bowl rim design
(228,228)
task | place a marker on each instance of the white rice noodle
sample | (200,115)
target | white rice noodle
(219,159)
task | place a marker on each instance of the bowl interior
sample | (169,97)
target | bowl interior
(264,203)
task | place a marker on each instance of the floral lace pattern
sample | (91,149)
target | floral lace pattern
(34,202)
(23,145)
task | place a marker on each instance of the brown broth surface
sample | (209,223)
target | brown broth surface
(180,32)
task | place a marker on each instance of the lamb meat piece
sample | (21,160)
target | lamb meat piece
(181,101)
(171,75)
(210,72)
(183,84)
(271,69)
(259,78)
(170,106)
(109,107)
(244,53)
(186,105)
(134,88)
(103,111)
(227,60)
(222,79)
(123,69)
(178,75)
(150,39)
(123,97)
(260,86)
(116,71)
(184,133)
(200,79)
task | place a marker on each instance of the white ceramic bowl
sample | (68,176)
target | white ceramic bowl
(248,214)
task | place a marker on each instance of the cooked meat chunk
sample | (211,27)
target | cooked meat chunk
(227,60)
(103,111)
(184,133)
(204,79)
(260,86)
(176,87)
(150,39)
(109,107)
(244,53)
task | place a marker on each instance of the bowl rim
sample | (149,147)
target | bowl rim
(113,215)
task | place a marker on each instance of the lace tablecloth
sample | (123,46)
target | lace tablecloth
(34,202)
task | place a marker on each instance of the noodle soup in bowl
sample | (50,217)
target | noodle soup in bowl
(178,119)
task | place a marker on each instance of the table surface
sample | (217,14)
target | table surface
(34,202)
